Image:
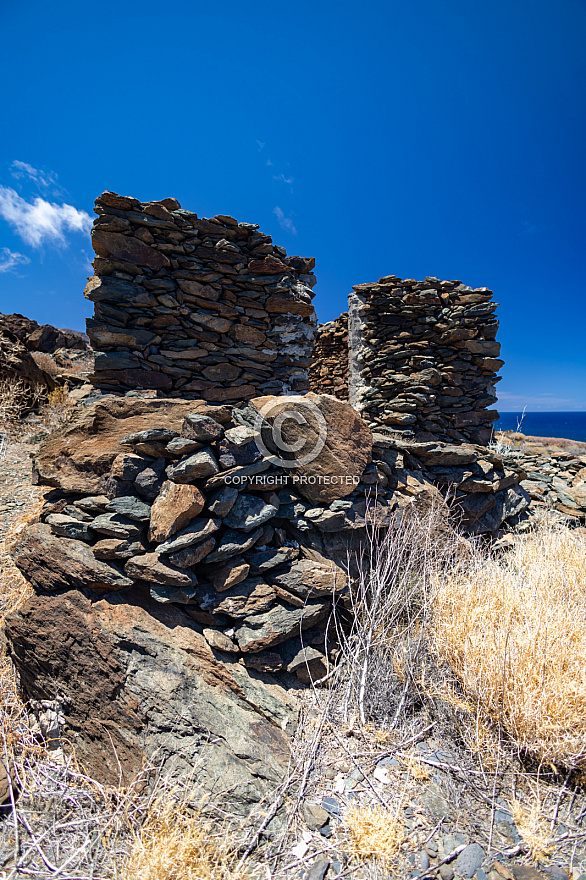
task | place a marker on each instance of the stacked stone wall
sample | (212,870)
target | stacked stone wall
(423,357)
(329,370)
(196,308)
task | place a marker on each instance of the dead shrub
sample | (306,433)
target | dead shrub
(373,833)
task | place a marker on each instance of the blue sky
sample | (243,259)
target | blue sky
(420,138)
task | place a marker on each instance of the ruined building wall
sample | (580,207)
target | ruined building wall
(423,357)
(196,308)
(329,370)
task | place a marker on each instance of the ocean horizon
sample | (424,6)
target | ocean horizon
(571,425)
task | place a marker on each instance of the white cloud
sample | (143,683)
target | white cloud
(41,220)
(285,222)
(283,178)
(44,180)
(9,260)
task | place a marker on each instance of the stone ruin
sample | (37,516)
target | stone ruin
(421,357)
(196,308)
(189,572)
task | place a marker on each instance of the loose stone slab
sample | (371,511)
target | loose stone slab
(114,525)
(277,625)
(196,531)
(234,543)
(175,506)
(150,567)
(200,464)
(249,512)
(130,507)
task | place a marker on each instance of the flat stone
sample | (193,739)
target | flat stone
(192,555)
(230,574)
(194,533)
(306,577)
(68,527)
(308,665)
(183,446)
(197,466)
(277,625)
(114,525)
(222,502)
(176,505)
(130,507)
(50,563)
(264,560)
(219,641)
(166,595)
(249,512)
(117,548)
(315,816)
(240,435)
(234,543)
(127,466)
(151,435)
(127,248)
(150,567)
(249,597)
(201,428)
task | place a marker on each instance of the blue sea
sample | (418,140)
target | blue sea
(571,425)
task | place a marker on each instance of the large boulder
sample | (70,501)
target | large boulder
(320,439)
(74,458)
(137,682)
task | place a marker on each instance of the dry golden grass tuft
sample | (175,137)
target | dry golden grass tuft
(373,833)
(532,826)
(174,843)
(513,631)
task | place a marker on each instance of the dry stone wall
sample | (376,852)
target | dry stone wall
(329,370)
(423,357)
(196,308)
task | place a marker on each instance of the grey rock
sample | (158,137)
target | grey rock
(183,446)
(446,872)
(192,555)
(318,869)
(130,507)
(308,665)
(220,641)
(277,625)
(68,527)
(178,595)
(114,525)
(234,543)
(222,502)
(201,428)
(424,860)
(332,807)
(469,860)
(264,560)
(196,531)
(250,596)
(153,435)
(92,504)
(249,512)
(197,466)
(241,435)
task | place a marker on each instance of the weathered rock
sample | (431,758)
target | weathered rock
(114,525)
(277,625)
(117,548)
(249,597)
(150,567)
(68,527)
(234,543)
(308,665)
(192,555)
(308,578)
(201,428)
(178,703)
(200,464)
(85,447)
(230,574)
(196,531)
(248,513)
(333,445)
(220,642)
(175,506)
(52,563)
(222,502)
(130,507)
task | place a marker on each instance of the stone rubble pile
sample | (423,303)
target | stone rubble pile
(423,357)
(196,308)
(329,370)
(553,479)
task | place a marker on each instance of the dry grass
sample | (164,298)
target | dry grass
(176,843)
(532,826)
(373,833)
(513,630)
(57,409)
(17,398)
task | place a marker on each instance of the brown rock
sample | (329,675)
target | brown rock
(218,640)
(192,555)
(248,335)
(175,506)
(75,456)
(127,248)
(230,574)
(151,567)
(52,563)
(334,444)
(221,372)
(289,303)
(268,266)
(137,680)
